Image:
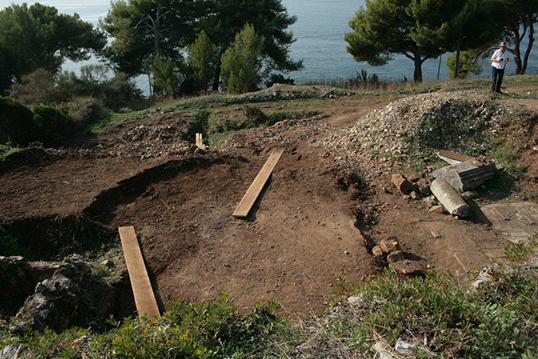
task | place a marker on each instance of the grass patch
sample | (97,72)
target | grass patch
(499,319)
(521,252)
(6,151)
(210,330)
(439,317)
(222,126)
(505,156)
(10,246)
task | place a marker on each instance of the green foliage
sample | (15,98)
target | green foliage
(499,320)
(468,65)
(505,156)
(203,60)
(210,330)
(53,126)
(198,123)
(37,36)
(241,63)
(144,29)
(85,110)
(419,30)
(9,245)
(167,76)
(6,151)
(34,88)
(114,91)
(16,122)
(523,251)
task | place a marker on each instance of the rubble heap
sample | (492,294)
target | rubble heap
(414,128)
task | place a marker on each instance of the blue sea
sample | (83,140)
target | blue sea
(320,29)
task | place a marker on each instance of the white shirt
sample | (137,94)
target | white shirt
(499,56)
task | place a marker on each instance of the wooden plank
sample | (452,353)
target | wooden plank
(455,158)
(246,204)
(145,301)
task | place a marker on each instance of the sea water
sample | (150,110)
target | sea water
(319,30)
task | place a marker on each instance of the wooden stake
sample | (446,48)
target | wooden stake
(146,304)
(255,189)
(200,142)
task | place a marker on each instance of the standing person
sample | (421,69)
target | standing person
(499,60)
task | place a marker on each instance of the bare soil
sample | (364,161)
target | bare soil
(301,245)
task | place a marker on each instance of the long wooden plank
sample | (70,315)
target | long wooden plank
(255,189)
(146,304)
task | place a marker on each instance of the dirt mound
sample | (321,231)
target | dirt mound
(412,129)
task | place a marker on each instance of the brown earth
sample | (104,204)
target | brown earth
(301,245)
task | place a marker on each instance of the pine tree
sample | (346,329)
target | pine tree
(202,58)
(242,62)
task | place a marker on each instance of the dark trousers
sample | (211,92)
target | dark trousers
(498,76)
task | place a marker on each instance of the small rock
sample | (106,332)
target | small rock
(402,184)
(377,251)
(396,257)
(437,209)
(355,299)
(470,195)
(414,195)
(436,234)
(423,186)
(408,267)
(404,348)
(389,245)
(10,352)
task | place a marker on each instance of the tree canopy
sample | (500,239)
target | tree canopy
(144,29)
(419,29)
(520,18)
(241,63)
(37,36)
(203,60)
(270,20)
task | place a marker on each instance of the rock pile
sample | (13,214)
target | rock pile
(279,92)
(413,128)
(150,141)
(74,295)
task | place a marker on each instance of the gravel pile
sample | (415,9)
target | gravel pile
(290,92)
(146,142)
(412,129)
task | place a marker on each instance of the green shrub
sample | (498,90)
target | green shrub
(53,126)
(85,110)
(16,123)
(242,62)
(198,123)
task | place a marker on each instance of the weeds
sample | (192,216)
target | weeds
(6,151)
(521,252)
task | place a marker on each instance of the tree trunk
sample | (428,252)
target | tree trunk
(517,49)
(529,46)
(458,56)
(417,75)
(216,80)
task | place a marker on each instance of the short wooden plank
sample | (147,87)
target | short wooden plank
(255,189)
(145,301)
(455,158)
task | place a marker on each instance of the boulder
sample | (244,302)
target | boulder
(74,295)
(408,267)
